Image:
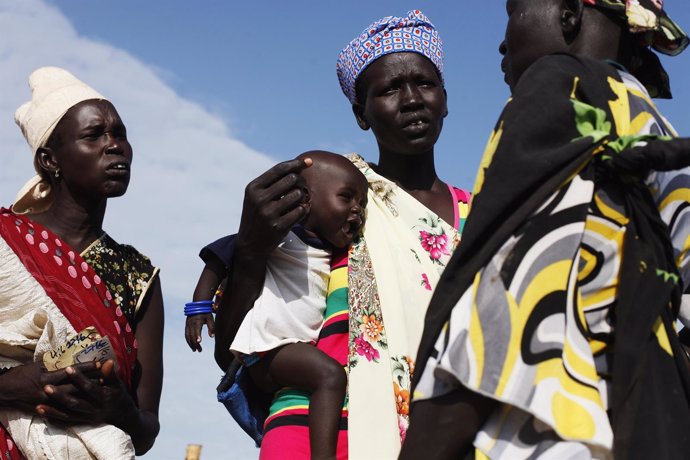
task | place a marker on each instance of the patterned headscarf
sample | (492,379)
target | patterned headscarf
(414,33)
(650,27)
(648,17)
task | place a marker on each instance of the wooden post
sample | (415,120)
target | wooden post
(193,452)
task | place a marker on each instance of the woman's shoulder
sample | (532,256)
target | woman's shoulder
(552,68)
(126,271)
(128,254)
(568,62)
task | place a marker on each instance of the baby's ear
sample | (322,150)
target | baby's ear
(306,203)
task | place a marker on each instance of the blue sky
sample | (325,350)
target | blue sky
(213,92)
(268,68)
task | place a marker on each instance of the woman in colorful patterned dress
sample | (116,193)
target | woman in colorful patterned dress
(552,331)
(66,286)
(392,74)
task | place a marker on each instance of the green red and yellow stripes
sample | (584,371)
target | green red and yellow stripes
(291,407)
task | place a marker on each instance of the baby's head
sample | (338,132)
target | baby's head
(337,197)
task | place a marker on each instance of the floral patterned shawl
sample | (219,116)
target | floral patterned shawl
(392,273)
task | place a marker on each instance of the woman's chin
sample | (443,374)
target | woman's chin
(116,192)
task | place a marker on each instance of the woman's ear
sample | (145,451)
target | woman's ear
(45,161)
(445,96)
(358,110)
(571,18)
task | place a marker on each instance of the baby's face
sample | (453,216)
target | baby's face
(338,199)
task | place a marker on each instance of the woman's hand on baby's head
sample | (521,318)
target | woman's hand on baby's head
(273,203)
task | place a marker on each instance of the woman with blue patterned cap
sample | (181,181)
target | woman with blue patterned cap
(392,74)
(552,331)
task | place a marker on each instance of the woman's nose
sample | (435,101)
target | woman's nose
(411,95)
(114,145)
(502,48)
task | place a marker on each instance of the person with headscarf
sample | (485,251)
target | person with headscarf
(392,75)
(551,334)
(81,316)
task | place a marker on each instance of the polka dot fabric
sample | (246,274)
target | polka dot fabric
(72,284)
(414,33)
(8,450)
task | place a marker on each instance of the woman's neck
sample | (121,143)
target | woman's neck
(416,174)
(77,225)
(411,172)
(601,37)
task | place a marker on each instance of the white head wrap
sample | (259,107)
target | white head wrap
(53,92)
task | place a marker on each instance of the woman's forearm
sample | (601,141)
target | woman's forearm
(142,426)
(245,282)
(273,203)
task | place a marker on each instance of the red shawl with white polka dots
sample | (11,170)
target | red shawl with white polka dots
(75,288)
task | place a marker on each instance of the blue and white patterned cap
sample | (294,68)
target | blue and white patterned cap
(414,33)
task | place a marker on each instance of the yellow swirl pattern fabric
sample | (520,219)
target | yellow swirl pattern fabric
(535,320)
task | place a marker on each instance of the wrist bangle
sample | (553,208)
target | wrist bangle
(199,303)
(198,308)
(198,312)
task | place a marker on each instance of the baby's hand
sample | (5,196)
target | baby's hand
(193,327)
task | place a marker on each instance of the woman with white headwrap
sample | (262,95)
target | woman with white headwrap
(81,316)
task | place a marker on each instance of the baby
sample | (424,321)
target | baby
(275,340)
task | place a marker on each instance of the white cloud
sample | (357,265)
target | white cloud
(188,180)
